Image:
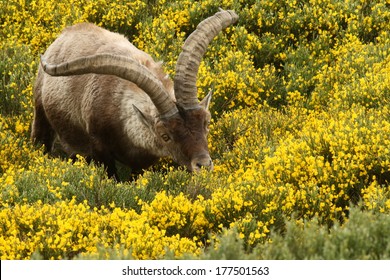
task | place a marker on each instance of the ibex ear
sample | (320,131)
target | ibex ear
(206,100)
(145,119)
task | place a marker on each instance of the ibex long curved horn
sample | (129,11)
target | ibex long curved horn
(195,46)
(120,66)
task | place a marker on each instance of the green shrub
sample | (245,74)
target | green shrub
(364,236)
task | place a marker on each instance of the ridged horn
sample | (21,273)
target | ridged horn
(120,66)
(194,48)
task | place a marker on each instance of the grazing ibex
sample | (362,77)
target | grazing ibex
(103,98)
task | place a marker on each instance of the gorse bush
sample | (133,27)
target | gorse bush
(364,236)
(300,138)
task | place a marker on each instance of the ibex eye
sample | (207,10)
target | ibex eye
(165,137)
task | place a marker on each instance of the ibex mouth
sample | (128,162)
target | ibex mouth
(202,162)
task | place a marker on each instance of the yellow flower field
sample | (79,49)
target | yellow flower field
(300,137)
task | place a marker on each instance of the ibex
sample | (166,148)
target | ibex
(103,98)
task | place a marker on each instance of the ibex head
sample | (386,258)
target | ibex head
(181,126)
(185,135)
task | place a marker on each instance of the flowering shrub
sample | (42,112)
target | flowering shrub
(300,134)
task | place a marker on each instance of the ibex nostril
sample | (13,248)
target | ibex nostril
(202,162)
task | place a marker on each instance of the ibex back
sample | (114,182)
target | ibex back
(103,98)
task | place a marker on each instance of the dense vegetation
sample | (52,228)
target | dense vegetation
(300,137)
